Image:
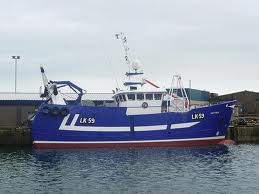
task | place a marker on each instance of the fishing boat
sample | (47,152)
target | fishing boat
(143,115)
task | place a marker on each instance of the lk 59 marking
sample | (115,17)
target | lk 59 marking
(198,116)
(87,120)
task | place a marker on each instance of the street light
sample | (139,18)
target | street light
(15,59)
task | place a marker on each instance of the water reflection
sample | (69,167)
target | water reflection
(131,155)
(141,170)
(133,165)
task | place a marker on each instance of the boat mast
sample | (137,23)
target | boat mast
(132,63)
(123,39)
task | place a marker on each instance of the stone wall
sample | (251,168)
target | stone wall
(244,134)
(15,136)
(12,116)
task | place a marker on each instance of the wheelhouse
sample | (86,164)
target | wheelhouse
(142,101)
(139,97)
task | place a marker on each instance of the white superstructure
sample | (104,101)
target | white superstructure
(139,98)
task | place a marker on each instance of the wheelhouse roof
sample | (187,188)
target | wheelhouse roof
(140,91)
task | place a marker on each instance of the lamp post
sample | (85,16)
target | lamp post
(15,59)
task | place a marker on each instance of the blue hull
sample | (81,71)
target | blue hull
(112,127)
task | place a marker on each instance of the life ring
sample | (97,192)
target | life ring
(144,105)
(64,111)
(54,111)
(45,109)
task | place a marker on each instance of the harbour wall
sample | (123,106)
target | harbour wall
(15,136)
(244,134)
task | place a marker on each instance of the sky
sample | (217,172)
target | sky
(213,43)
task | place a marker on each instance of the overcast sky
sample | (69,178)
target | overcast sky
(214,43)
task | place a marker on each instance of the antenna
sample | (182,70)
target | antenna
(131,61)
(123,39)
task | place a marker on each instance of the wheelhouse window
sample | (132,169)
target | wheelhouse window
(158,96)
(124,97)
(121,98)
(131,97)
(117,99)
(149,96)
(140,96)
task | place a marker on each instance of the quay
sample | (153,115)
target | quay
(244,134)
(15,136)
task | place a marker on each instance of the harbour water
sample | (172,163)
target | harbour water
(216,169)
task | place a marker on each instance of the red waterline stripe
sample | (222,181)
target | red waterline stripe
(127,145)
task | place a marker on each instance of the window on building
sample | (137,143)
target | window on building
(158,96)
(149,96)
(140,96)
(131,97)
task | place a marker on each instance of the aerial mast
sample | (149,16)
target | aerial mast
(132,63)
(123,39)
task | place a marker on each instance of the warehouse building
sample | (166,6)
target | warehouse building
(247,101)
(196,97)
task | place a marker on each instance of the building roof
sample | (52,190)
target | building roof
(8,98)
(98,96)
(36,96)
(240,92)
(19,96)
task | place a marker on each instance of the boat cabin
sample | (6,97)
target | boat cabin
(150,102)
(140,101)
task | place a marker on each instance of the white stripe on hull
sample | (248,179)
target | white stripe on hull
(72,126)
(140,141)
(183,125)
(149,128)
